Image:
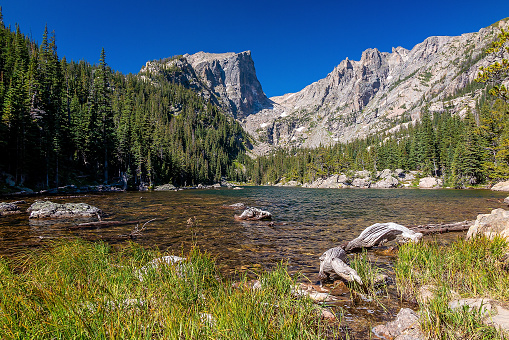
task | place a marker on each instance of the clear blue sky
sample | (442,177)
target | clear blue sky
(293,43)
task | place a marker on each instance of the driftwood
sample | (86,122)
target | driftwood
(101,224)
(253,214)
(332,264)
(442,228)
(379,233)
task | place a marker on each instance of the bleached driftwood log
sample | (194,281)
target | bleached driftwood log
(332,263)
(441,228)
(379,233)
(254,214)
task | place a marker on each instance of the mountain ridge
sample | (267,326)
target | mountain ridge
(380,91)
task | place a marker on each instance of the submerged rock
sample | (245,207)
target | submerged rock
(8,209)
(254,214)
(47,209)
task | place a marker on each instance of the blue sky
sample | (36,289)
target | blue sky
(293,43)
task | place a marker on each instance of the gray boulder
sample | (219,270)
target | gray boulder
(386,182)
(495,223)
(165,187)
(430,183)
(254,214)
(8,209)
(404,327)
(361,183)
(501,186)
(47,209)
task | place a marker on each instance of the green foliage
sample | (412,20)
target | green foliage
(90,291)
(62,120)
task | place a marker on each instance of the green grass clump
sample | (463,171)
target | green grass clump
(374,285)
(468,268)
(82,290)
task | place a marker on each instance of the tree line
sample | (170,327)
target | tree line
(72,122)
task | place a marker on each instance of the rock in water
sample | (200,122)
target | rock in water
(47,209)
(8,209)
(380,233)
(332,264)
(254,214)
(406,326)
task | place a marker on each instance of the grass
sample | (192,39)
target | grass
(468,268)
(82,290)
(374,285)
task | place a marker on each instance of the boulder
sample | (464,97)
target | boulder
(482,306)
(430,183)
(362,174)
(47,209)
(405,326)
(386,182)
(495,223)
(8,209)
(165,187)
(254,214)
(385,173)
(501,186)
(361,183)
(157,263)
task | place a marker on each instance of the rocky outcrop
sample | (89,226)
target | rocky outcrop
(493,224)
(227,79)
(47,209)
(362,97)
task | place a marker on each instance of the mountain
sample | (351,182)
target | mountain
(381,91)
(227,79)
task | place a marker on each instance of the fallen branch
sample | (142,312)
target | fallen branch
(441,228)
(101,224)
(379,233)
(332,264)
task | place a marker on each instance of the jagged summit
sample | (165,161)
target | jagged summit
(228,79)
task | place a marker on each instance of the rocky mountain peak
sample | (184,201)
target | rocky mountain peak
(228,79)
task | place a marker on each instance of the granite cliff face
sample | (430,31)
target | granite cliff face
(381,92)
(228,79)
(378,92)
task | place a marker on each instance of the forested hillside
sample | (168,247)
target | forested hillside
(464,151)
(67,122)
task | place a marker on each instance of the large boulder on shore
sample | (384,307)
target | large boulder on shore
(430,183)
(493,224)
(47,209)
(386,183)
(8,209)
(501,186)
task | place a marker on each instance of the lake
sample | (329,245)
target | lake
(306,221)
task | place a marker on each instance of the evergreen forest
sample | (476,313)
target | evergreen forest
(66,122)
(71,122)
